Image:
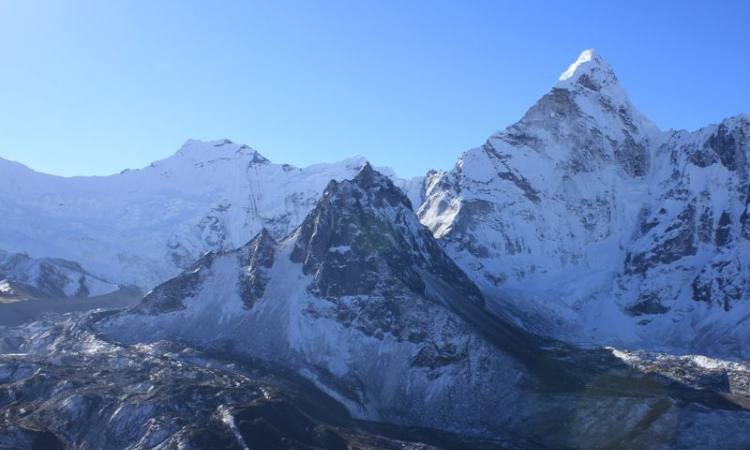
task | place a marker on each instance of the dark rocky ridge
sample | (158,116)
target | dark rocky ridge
(253,259)
(363,237)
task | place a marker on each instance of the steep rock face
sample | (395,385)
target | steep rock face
(697,228)
(252,260)
(689,261)
(23,277)
(590,223)
(145,226)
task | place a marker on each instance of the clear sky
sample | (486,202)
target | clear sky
(93,87)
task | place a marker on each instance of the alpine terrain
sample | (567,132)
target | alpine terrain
(580,280)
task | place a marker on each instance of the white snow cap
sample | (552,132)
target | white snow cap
(588,61)
(591,64)
(590,76)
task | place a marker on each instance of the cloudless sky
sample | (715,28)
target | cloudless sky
(93,87)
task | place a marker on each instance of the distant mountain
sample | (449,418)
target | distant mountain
(588,222)
(144,226)
(23,277)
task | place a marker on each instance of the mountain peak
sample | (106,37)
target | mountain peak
(368,176)
(203,151)
(590,71)
(366,168)
(588,57)
(363,237)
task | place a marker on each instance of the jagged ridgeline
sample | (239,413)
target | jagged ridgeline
(363,237)
(338,306)
(583,220)
(142,227)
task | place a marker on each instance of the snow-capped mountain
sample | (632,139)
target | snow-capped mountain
(23,277)
(362,301)
(590,223)
(144,226)
(360,277)
(456,302)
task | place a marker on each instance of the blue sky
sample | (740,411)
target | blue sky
(92,87)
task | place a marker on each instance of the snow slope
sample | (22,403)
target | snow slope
(143,226)
(590,223)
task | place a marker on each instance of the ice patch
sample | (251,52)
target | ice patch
(5,288)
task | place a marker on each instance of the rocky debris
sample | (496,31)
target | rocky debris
(696,371)
(90,393)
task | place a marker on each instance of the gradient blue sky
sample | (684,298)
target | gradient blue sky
(93,87)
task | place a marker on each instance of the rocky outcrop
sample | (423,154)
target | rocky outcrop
(255,259)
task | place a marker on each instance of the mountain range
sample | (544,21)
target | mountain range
(571,267)
(142,227)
